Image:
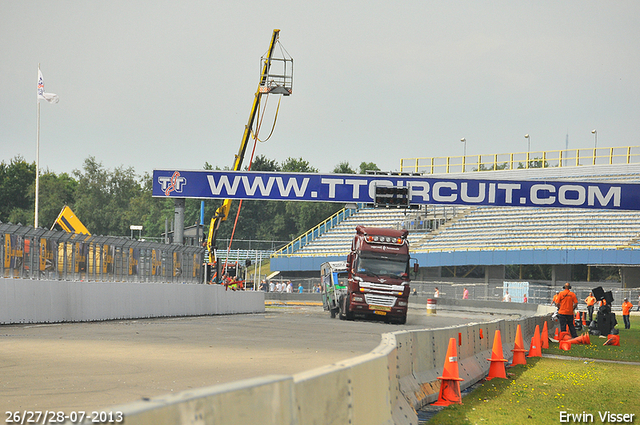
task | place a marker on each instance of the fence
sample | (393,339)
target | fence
(37,253)
(537,292)
(519,160)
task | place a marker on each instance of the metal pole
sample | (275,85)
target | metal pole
(35,221)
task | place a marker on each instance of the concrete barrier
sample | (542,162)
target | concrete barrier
(385,386)
(43,301)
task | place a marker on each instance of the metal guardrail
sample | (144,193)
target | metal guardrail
(36,253)
(244,254)
(522,160)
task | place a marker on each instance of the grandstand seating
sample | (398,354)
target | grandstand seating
(337,241)
(483,228)
(534,228)
(500,228)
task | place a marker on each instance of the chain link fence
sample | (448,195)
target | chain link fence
(37,253)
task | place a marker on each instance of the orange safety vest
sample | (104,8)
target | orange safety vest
(626,308)
(566,301)
(590,300)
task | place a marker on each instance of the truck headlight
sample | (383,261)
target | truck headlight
(358,299)
(402,303)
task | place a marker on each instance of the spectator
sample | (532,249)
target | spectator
(507,297)
(567,303)
(436,293)
(263,286)
(289,287)
(591,301)
(465,294)
(300,288)
(525,299)
(272,286)
(626,308)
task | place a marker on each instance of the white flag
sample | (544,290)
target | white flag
(49,97)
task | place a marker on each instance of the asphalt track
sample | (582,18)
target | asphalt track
(88,366)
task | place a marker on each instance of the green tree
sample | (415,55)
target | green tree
(15,180)
(103,198)
(56,191)
(343,168)
(368,166)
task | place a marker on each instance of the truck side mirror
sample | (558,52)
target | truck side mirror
(416,267)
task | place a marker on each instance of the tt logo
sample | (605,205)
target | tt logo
(175,183)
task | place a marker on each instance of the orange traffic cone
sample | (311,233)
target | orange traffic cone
(565,334)
(556,336)
(565,345)
(535,350)
(612,340)
(496,370)
(450,379)
(582,339)
(544,336)
(518,349)
(584,318)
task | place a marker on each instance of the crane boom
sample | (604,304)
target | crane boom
(222,212)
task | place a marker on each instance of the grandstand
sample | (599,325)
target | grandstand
(496,236)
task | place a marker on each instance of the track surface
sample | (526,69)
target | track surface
(87,366)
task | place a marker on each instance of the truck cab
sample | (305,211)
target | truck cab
(376,274)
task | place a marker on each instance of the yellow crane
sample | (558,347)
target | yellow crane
(278,82)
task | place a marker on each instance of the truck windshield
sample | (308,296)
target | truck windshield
(388,265)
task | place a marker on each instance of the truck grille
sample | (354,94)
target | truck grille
(382,300)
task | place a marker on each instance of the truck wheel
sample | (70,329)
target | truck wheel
(333,312)
(402,320)
(347,314)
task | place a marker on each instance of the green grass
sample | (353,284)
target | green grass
(537,393)
(629,349)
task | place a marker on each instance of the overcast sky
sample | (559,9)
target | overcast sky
(166,84)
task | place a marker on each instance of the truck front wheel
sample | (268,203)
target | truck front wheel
(345,314)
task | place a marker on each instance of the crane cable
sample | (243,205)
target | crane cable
(275,119)
(255,140)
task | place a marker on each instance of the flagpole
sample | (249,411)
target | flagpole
(35,221)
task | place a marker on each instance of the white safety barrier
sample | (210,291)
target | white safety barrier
(43,301)
(385,386)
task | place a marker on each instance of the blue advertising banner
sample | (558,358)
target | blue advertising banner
(361,188)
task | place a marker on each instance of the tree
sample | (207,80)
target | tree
(343,168)
(15,180)
(112,192)
(56,191)
(297,165)
(368,166)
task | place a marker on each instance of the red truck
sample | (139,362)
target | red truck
(374,281)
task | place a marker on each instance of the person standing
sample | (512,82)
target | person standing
(436,293)
(507,297)
(591,301)
(465,294)
(626,308)
(525,299)
(567,303)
